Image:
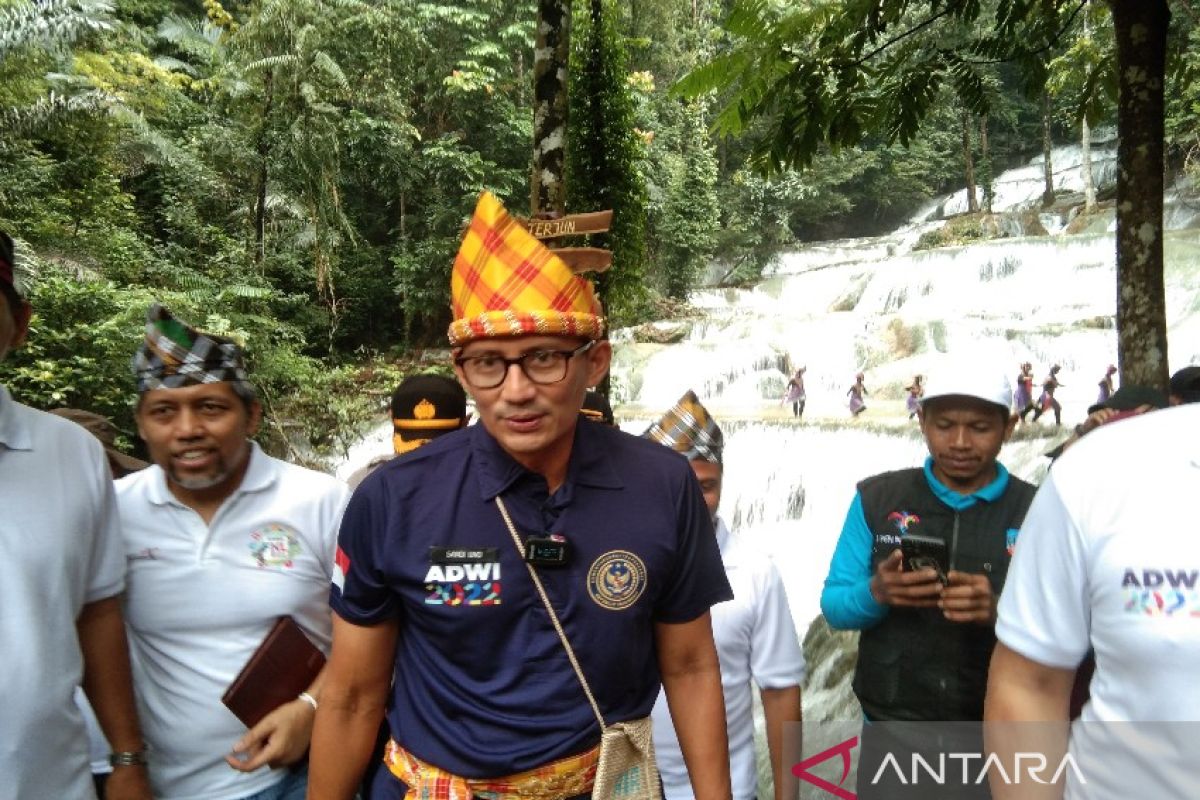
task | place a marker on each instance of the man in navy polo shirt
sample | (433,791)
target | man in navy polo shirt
(436,618)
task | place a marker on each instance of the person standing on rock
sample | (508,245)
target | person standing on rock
(795,393)
(915,391)
(1047,401)
(755,634)
(927,633)
(857,392)
(1023,395)
(1106,386)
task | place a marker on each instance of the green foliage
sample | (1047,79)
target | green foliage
(604,154)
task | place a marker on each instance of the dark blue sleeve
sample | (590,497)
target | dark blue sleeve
(698,581)
(846,600)
(361,593)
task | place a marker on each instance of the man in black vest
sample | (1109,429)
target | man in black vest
(927,634)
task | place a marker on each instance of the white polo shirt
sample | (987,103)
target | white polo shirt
(201,598)
(1108,559)
(60,548)
(756,639)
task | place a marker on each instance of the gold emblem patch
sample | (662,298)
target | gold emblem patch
(424,410)
(616,580)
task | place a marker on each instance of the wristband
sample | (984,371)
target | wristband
(127,758)
(308,698)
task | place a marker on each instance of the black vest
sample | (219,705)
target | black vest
(915,664)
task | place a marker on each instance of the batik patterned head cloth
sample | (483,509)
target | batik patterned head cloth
(175,354)
(688,428)
(507,283)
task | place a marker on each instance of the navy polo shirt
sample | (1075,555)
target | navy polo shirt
(483,687)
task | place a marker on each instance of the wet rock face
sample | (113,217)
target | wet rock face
(830,655)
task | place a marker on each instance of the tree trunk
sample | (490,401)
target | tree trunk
(969,163)
(1141,34)
(1047,145)
(985,164)
(1085,168)
(263,149)
(550,57)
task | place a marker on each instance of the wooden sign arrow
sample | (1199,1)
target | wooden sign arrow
(571,225)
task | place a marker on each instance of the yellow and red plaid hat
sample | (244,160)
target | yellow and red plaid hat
(507,283)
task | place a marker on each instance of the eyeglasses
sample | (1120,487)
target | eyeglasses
(541,366)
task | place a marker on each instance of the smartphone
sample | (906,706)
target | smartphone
(925,552)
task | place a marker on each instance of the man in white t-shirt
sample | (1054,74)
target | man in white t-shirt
(221,541)
(754,632)
(60,614)
(1107,559)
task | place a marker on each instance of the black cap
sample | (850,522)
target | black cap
(1186,384)
(425,406)
(597,409)
(7,264)
(1131,396)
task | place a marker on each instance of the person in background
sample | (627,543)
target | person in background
(119,465)
(61,619)
(915,391)
(424,407)
(1185,386)
(1104,563)
(1130,400)
(796,394)
(596,408)
(1023,394)
(1048,400)
(927,634)
(221,541)
(1106,386)
(438,620)
(755,635)
(857,392)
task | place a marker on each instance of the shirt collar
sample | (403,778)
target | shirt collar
(590,462)
(14,433)
(260,475)
(961,502)
(722,533)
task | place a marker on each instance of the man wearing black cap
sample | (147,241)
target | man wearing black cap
(61,624)
(423,408)
(1185,386)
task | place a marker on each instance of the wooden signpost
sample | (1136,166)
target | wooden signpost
(579,259)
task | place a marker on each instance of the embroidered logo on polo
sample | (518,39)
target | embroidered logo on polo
(1010,540)
(616,580)
(1161,592)
(902,519)
(274,546)
(463,576)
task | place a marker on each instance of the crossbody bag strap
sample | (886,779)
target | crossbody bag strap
(562,635)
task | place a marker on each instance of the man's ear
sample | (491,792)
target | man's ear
(254,419)
(1011,426)
(21,324)
(599,358)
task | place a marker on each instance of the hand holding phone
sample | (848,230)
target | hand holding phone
(925,552)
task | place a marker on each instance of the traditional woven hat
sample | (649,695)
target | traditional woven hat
(688,428)
(507,283)
(175,354)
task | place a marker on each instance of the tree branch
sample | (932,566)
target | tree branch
(902,36)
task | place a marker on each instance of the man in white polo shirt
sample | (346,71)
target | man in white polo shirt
(754,633)
(60,616)
(1108,559)
(221,541)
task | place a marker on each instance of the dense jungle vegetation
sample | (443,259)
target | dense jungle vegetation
(297,173)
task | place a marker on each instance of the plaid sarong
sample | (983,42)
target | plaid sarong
(688,428)
(175,354)
(507,283)
(557,780)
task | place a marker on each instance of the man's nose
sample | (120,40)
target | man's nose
(516,385)
(188,424)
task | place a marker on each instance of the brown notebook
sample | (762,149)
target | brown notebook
(283,666)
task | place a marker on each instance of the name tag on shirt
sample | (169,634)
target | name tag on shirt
(463,555)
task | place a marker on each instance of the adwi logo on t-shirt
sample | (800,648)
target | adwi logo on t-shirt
(1161,592)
